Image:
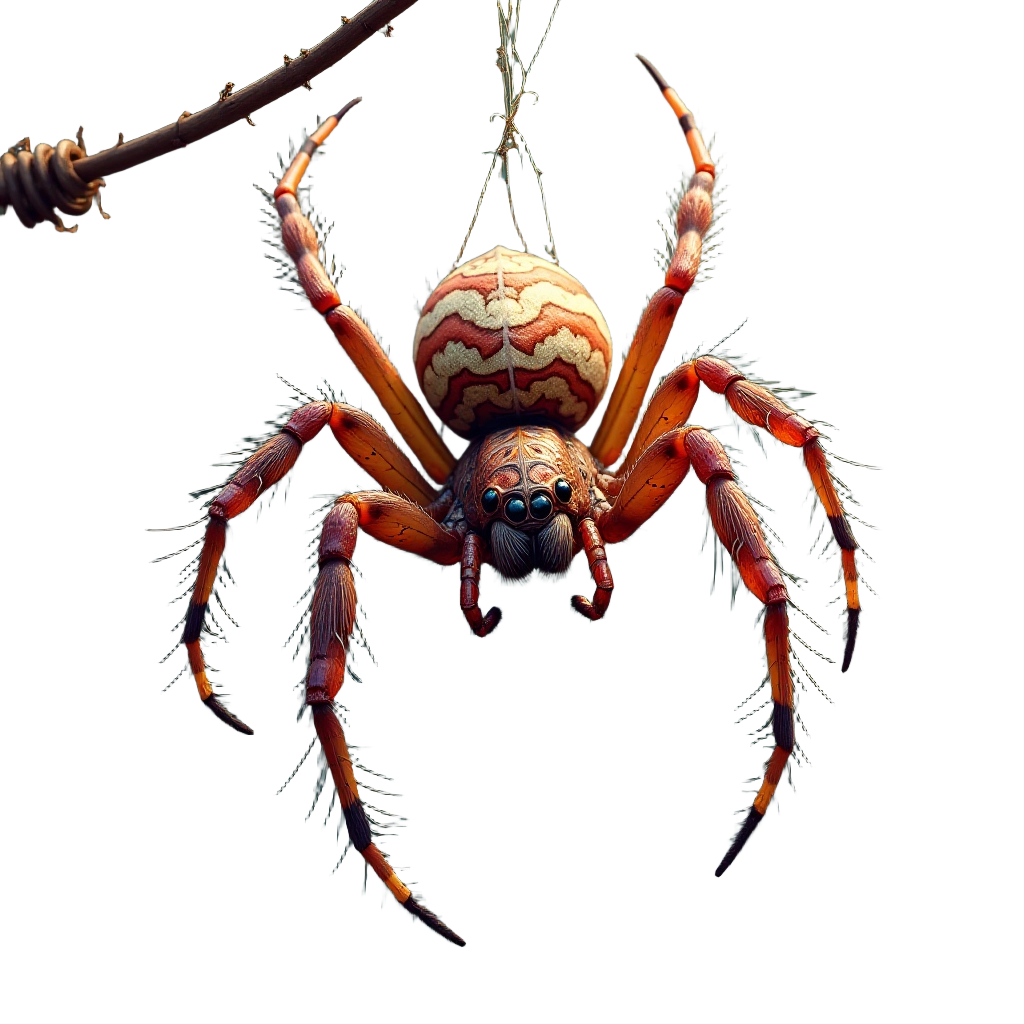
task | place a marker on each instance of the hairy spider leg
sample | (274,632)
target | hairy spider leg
(670,407)
(656,475)
(469,593)
(354,336)
(359,434)
(758,406)
(402,524)
(693,220)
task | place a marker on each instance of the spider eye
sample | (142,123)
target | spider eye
(489,500)
(515,509)
(563,492)
(540,506)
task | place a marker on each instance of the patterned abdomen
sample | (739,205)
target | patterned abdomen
(511,337)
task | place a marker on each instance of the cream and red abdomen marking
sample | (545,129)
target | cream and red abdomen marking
(509,336)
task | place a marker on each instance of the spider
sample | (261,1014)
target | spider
(513,354)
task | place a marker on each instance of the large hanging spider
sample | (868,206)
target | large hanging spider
(513,354)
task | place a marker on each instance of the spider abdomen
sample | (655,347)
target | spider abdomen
(510,337)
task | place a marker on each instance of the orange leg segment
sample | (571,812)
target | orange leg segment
(670,407)
(370,446)
(758,406)
(693,219)
(404,525)
(332,619)
(647,486)
(354,336)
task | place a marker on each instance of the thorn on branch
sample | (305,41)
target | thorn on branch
(387,31)
(121,139)
(302,53)
(226,93)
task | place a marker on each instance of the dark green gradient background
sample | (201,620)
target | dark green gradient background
(568,786)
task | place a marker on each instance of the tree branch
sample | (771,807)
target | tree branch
(39,183)
(239,105)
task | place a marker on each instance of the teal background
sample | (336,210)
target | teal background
(568,786)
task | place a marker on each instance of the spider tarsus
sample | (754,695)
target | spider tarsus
(853,618)
(432,921)
(653,71)
(746,829)
(489,623)
(585,607)
(226,716)
(348,106)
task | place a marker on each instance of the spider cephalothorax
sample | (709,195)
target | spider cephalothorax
(525,490)
(513,353)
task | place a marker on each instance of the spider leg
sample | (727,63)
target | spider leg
(369,445)
(647,486)
(469,595)
(657,473)
(692,222)
(404,525)
(333,616)
(359,434)
(757,405)
(670,406)
(593,546)
(354,336)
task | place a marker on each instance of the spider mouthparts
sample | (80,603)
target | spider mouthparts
(226,716)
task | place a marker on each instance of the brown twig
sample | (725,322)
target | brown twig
(238,106)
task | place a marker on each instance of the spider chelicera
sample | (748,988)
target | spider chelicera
(512,353)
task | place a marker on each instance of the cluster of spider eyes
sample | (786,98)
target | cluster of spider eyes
(515,506)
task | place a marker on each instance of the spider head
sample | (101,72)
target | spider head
(530,530)
(525,496)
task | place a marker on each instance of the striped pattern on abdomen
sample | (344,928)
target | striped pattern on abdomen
(510,336)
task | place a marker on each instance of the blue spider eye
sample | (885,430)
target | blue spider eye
(489,500)
(540,506)
(515,510)
(563,492)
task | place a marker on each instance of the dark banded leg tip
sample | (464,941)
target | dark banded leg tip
(747,828)
(348,106)
(432,921)
(654,73)
(852,621)
(225,716)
